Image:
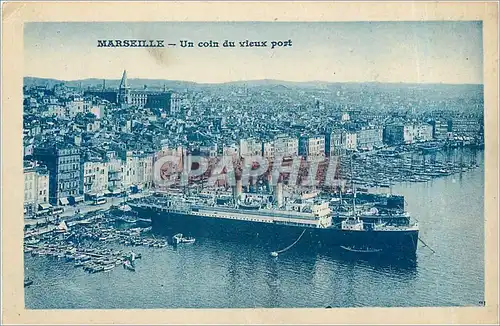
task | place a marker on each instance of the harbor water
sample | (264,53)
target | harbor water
(215,274)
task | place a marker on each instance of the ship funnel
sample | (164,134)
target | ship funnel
(268,183)
(278,193)
(237,191)
(252,185)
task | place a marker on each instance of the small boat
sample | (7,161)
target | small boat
(98,269)
(109,267)
(86,267)
(274,254)
(127,219)
(27,282)
(361,250)
(188,240)
(79,264)
(85,258)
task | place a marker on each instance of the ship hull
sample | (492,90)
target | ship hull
(280,235)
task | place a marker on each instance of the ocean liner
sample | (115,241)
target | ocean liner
(319,220)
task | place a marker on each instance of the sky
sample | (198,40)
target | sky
(395,52)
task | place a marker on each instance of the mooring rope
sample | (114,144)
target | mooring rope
(293,244)
(425,245)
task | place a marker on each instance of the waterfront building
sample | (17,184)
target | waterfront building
(465,127)
(397,134)
(36,187)
(441,128)
(250,147)
(115,175)
(137,169)
(422,132)
(63,163)
(285,146)
(171,168)
(280,146)
(312,146)
(95,177)
(230,150)
(350,140)
(208,150)
(368,138)
(334,142)
(268,150)
(168,151)
(394,134)
(328,144)
(408,133)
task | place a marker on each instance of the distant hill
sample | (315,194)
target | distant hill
(139,83)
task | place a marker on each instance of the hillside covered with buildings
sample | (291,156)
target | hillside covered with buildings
(98,137)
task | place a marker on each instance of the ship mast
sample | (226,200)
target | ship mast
(341,204)
(353,190)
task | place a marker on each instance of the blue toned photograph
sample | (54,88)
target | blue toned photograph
(253,165)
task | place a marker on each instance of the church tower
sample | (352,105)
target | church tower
(124,90)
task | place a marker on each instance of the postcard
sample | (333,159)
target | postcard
(245,163)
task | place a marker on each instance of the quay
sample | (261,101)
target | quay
(74,212)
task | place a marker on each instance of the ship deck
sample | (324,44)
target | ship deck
(262,215)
